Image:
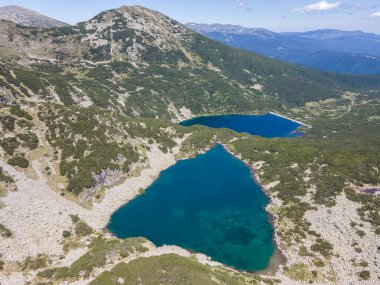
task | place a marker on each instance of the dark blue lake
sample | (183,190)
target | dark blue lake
(268,126)
(208,204)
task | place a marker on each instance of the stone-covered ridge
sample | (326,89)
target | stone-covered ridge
(29,18)
(130,30)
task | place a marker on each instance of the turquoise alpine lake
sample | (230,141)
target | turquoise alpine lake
(208,204)
(269,125)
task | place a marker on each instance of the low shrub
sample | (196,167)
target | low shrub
(5,232)
(19,161)
(82,229)
(365,274)
(9,145)
(18,112)
(323,247)
(5,178)
(34,264)
(74,218)
(66,234)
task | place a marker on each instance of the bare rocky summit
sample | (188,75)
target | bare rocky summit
(29,18)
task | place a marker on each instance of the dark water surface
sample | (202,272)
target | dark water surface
(209,204)
(268,126)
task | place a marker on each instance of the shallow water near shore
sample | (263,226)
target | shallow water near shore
(208,204)
(268,126)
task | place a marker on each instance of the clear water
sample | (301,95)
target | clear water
(268,126)
(208,204)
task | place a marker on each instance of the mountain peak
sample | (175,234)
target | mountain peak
(131,32)
(29,18)
(137,18)
(134,7)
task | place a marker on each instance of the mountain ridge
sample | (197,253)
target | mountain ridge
(131,51)
(217,27)
(27,17)
(329,50)
(334,33)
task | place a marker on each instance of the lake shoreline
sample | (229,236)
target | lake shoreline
(274,260)
(268,125)
(242,114)
(290,119)
(279,257)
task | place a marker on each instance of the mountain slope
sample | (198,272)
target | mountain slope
(356,42)
(29,18)
(143,63)
(69,156)
(340,62)
(329,50)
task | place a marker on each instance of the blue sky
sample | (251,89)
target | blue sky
(276,15)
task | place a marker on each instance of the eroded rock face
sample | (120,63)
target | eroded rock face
(29,18)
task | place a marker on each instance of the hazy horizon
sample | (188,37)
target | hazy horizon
(274,15)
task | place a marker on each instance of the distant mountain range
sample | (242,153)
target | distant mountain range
(329,50)
(29,18)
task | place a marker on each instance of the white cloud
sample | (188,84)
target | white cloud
(374,16)
(321,6)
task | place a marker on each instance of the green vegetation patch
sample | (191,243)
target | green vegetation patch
(96,257)
(169,269)
(5,232)
(82,229)
(31,79)
(87,149)
(18,112)
(5,178)
(298,272)
(94,142)
(62,87)
(34,263)
(369,209)
(323,247)
(19,161)
(8,123)
(30,140)
(364,275)
(9,144)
